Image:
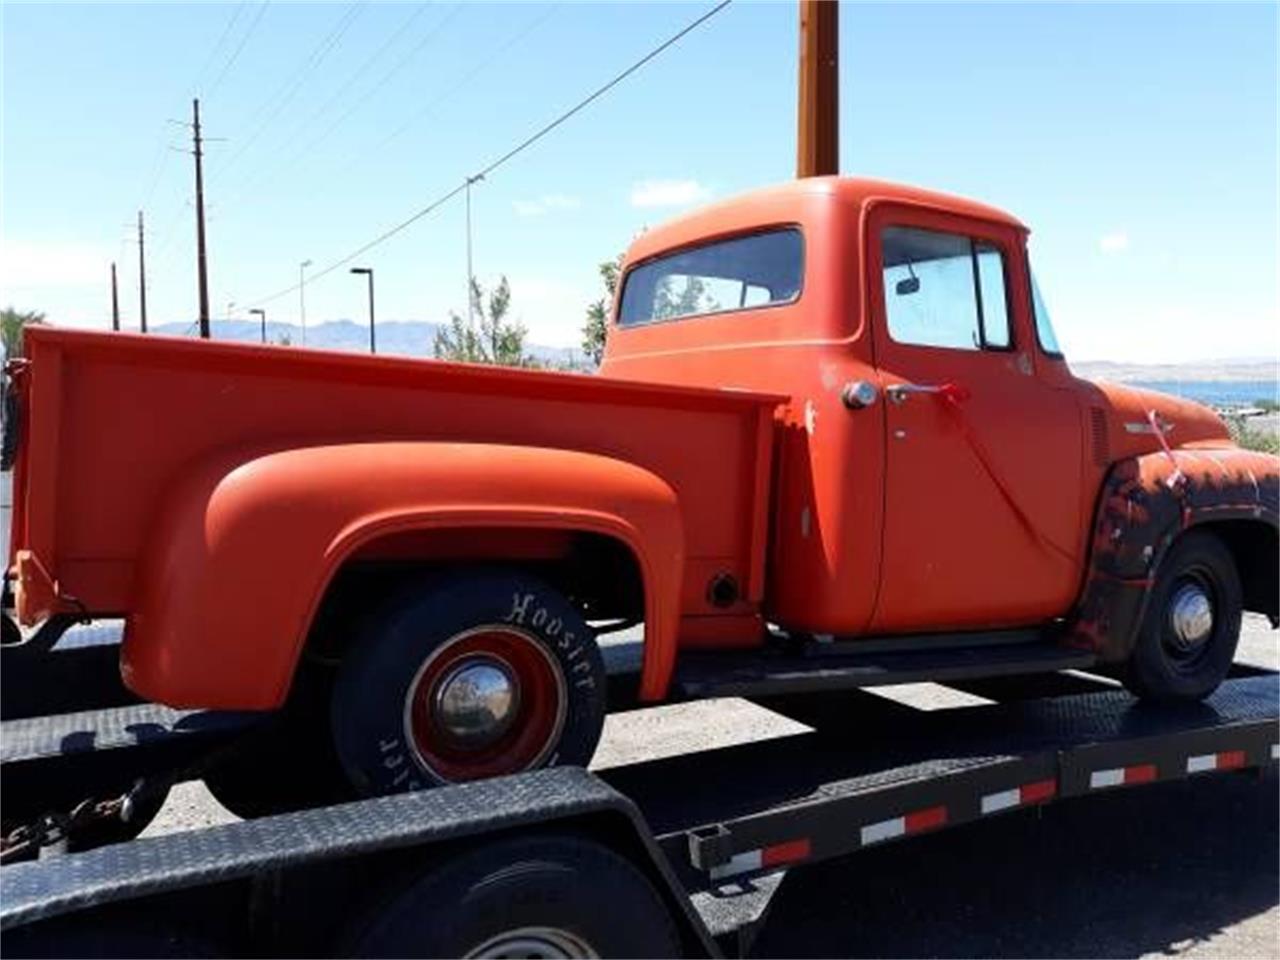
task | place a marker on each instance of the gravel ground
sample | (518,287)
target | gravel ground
(1187,869)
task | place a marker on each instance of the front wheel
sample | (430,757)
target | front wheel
(464,677)
(1191,626)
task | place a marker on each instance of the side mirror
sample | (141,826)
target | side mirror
(908,286)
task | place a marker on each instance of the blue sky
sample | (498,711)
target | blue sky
(1139,141)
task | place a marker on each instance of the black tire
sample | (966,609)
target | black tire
(1163,666)
(10,636)
(378,734)
(288,762)
(559,891)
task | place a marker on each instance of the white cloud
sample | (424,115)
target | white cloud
(667,193)
(1116,242)
(28,264)
(551,308)
(546,204)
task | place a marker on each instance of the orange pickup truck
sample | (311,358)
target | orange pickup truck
(833,443)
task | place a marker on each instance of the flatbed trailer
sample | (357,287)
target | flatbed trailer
(679,855)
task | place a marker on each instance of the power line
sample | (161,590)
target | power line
(510,154)
(308,149)
(273,106)
(465,80)
(235,54)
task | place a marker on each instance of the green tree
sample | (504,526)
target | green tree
(487,336)
(12,323)
(597,325)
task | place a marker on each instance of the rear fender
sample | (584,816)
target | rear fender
(245,546)
(1145,504)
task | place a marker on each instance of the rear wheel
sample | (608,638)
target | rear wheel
(1191,626)
(465,677)
(549,896)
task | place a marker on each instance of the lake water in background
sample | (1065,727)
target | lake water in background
(1217,393)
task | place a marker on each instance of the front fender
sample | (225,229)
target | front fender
(245,545)
(1145,503)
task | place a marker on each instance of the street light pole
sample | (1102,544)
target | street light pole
(262,315)
(302,297)
(368,272)
(471,277)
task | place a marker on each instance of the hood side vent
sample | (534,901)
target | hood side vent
(1099,442)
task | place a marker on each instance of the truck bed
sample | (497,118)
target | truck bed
(107,421)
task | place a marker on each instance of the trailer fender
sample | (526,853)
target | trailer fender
(1146,502)
(244,548)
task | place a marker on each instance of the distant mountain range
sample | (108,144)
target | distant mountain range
(1251,369)
(408,338)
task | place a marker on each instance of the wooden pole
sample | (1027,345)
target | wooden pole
(818,114)
(202,267)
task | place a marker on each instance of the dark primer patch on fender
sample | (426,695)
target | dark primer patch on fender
(1138,518)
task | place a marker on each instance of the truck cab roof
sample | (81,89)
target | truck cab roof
(800,201)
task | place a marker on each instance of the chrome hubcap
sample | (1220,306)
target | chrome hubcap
(540,942)
(1191,616)
(475,703)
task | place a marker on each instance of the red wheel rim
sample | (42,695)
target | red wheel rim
(540,703)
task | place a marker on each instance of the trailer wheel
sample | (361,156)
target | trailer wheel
(1191,626)
(465,677)
(544,896)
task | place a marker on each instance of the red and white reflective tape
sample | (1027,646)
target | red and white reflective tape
(1227,760)
(1026,794)
(914,822)
(775,855)
(1122,776)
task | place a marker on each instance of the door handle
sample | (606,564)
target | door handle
(898,392)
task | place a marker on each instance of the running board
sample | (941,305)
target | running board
(771,672)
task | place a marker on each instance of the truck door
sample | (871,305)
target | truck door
(982,516)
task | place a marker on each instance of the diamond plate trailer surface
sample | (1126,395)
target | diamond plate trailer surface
(712,829)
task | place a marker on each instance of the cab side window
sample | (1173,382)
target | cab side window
(944,290)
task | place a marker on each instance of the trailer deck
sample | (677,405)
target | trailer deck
(715,829)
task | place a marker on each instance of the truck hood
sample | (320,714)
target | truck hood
(1184,422)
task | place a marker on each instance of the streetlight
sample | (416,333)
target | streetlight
(368,271)
(262,315)
(302,297)
(471,277)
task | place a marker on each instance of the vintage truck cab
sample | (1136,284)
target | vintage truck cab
(939,466)
(833,442)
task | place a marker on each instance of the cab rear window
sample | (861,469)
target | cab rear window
(760,270)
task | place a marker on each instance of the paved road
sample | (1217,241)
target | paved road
(1181,869)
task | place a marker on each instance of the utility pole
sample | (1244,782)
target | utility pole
(202,266)
(818,114)
(262,315)
(471,277)
(115,300)
(142,275)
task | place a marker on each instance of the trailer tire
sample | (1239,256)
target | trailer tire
(1191,626)
(553,895)
(467,676)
